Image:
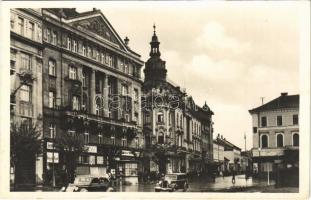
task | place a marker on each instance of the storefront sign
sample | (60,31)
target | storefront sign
(129,153)
(49,157)
(91,149)
(49,145)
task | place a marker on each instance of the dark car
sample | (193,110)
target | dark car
(85,183)
(172,182)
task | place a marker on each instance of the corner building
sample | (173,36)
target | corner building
(91,87)
(178,133)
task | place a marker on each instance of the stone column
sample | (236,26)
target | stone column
(105,95)
(92,88)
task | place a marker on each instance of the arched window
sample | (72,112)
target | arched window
(264,141)
(279,141)
(296,139)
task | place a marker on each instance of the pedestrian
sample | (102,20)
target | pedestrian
(233,176)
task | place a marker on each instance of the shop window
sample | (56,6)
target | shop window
(130,169)
(100,160)
(92,160)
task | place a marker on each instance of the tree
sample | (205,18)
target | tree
(25,143)
(70,147)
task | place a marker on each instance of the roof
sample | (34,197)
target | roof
(228,145)
(283,101)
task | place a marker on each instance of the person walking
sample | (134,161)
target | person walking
(233,176)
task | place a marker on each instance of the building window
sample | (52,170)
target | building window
(84,50)
(296,139)
(97,107)
(54,37)
(51,99)
(137,142)
(72,73)
(26,122)
(113,140)
(69,43)
(89,52)
(83,79)
(75,46)
(97,56)
(295,120)
(75,103)
(160,117)
(254,129)
(52,130)
(31,30)
(264,141)
(279,140)
(161,138)
(72,133)
(126,68)
(20,25)
(86,137)
(136,94)
(279,120)
(263,121)
(102,57)
(48,35)
(52,68)
(25,93)
(124,141)
(147,118)
(26,62)
(100,139)
(125,90)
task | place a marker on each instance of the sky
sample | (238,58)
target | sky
(229,54)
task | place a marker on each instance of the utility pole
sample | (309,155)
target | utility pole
(245,141)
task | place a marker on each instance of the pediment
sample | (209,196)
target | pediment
(99,26)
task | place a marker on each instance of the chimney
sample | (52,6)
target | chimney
(126,41)
(284,94)
(221,137)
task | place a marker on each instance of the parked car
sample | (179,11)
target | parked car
(172,182)
(85,183)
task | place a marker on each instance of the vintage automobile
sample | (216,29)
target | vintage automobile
(172,182)
(85,183)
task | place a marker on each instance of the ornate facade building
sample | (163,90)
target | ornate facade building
(178,132)
(91,88)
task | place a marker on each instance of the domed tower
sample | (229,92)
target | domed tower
(155,71)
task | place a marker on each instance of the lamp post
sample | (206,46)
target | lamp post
(259,163)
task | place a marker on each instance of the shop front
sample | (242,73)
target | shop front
(128,165)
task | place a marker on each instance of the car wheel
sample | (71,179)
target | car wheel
(110,189)
(83,190)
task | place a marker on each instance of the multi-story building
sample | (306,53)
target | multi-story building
(276,134)
(218,155)
(173,123)
(91,87)
(232,154)
(26,81)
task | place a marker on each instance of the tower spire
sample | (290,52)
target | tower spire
(155,51)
